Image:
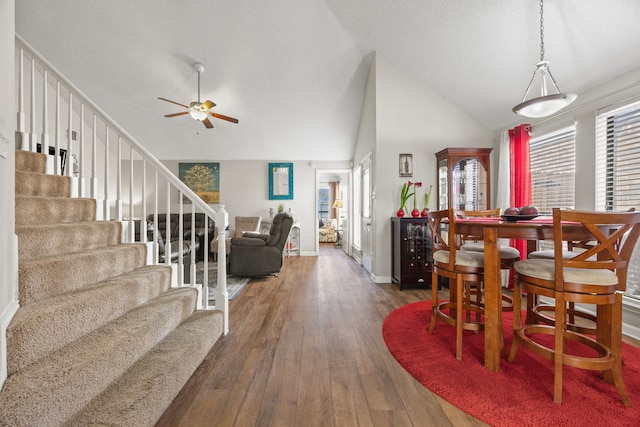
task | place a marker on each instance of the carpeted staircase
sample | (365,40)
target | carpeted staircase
(100,338)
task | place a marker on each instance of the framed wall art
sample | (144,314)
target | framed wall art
(280,181)
(203,179)
(406,165)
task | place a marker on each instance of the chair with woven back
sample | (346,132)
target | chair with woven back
(596,276)
(462,268)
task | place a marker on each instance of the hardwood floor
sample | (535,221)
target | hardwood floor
(306,349)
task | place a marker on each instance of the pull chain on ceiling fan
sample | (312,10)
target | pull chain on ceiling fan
(199,110)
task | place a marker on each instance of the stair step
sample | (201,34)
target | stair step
(48,277)
(43,327)
(58,386)
(42,185)
(141,395)
(29,161)
(53,210)
(37,241)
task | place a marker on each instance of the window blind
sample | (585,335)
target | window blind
(552,158)
(618,171)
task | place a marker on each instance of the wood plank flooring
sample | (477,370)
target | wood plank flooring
(305,348)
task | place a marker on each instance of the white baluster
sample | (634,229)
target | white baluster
(106,201)
(82,190)
(222,296)
(56,152)
(94,159)
(33,136)
(44,141)
(23,138)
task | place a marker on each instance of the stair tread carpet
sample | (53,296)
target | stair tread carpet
(39,184)
(156,377)
(68,272)
(30,161)
(61,384)
(53,210)
(65,238)
(48,325)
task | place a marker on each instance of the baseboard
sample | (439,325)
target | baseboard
(5,319)
(380,279)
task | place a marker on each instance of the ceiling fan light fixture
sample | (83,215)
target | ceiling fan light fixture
(198,114)
(546,104)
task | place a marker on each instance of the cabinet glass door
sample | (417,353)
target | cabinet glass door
(464,178)
(468,181)
(443,191)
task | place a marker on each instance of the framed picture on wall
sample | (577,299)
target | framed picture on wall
(203,179)
(406,165)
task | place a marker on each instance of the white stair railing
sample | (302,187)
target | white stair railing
(104,162)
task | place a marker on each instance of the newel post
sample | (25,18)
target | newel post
(222,296)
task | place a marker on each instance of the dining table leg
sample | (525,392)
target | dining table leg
(493,300)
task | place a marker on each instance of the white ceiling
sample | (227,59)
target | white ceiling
(294,72)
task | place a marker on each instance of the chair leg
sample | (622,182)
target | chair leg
(560,328)
(517,319)
(459,309)
(616,349)
(434,301)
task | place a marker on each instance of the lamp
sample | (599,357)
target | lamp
(337,204)
(198,114)
(546,104)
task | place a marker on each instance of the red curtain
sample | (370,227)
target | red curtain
(520,177)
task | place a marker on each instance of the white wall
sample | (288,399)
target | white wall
(411,118)
(244,190)
(8,245)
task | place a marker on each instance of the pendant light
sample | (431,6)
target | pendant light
(546,104)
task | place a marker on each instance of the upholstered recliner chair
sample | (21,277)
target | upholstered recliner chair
(243,224)
(260,254)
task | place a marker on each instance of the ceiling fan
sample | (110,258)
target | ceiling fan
(199,110)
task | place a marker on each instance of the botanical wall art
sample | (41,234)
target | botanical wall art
(203,179)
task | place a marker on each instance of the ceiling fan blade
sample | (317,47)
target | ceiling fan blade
(227,118)
(177,114)
(208,104)
(207,123)
(174,102)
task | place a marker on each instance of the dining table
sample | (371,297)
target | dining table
(492,230)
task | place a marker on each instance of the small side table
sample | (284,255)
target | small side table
(293,241)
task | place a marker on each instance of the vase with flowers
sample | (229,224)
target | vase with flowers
(415,212)
(427,196)
(405,195)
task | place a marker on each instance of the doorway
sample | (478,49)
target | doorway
(333,208)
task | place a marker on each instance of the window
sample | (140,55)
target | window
(553,162)
(618,171)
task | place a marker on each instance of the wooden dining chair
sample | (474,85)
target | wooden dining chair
(597,277)
(508,254)
(462,269)
(577,320)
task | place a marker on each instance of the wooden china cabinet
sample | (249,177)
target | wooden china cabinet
(464,178)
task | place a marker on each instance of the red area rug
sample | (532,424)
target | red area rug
(521,393)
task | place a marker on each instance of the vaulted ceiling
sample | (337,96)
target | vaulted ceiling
(294,72)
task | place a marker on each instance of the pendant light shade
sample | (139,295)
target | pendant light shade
(546,103)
